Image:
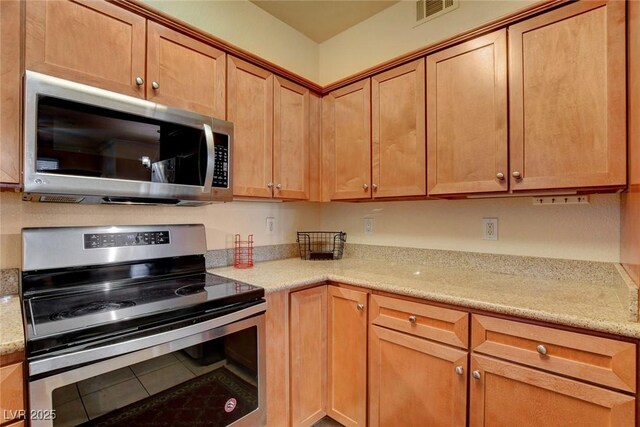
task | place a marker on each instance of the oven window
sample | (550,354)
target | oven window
(83,140)
(214,383)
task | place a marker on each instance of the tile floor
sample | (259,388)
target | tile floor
(88,399)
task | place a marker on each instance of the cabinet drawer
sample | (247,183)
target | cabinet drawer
(11,388)
(598,360)
(435,323)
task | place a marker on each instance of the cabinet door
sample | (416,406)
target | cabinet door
(508,395)
(290,140)
(10,90)
(467,117)
(90,42)
(188,74)
(567,97)
(398,134)
(11,389)
(346,125)
(250,108)
(413,382)
(347,356)
(308,340)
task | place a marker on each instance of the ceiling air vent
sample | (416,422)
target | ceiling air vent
(429,9)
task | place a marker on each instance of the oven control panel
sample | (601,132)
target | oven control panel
(116,240)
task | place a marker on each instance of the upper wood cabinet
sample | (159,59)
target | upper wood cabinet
(505,394)
(250,108)
(347,356)
(290,140)
(10,90)
(102,45)
(346,138)
(567,97)
(374,136)
(185,73)
(91,42)
(271,121)
(398,134)
(467,139)
(308,340)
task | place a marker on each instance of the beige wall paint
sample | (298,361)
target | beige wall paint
(391,33)
(584,232)
(221,221)
(248,27)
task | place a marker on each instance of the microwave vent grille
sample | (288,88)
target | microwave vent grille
(61,199)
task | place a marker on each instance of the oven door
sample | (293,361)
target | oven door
(215,377)
(109,147)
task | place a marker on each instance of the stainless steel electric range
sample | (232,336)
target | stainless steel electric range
(124,327)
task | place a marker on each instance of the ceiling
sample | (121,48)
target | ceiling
(321,20)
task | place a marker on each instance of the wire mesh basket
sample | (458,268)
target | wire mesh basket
(319,245)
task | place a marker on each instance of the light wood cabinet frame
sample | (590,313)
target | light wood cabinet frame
(598,360)
(191,74)
(346,142)
(541,399)
(398,137)
(290,140)
(96,43)
(568,114)
(467,115)
(347,356)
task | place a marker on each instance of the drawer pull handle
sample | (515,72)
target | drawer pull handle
(459,370)
(542,349)
(413,319)
(360,307)
(476,374)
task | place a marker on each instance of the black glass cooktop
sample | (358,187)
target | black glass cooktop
(62,313)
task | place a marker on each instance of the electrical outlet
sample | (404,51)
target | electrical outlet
(368,226)
(270,226)
(490,228)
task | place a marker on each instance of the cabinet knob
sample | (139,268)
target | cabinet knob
(476,374)
(360,306)
(365,186)
(139,81)
(459,370)
(500,176)
(413,319)
(516,175)
(542,349)
(155,85)
(279,186)
(270,185)
(375,187)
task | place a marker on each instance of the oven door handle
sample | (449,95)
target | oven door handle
(62,361)
(211,157)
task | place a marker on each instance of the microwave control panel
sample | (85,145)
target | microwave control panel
(221,166)
(116,240)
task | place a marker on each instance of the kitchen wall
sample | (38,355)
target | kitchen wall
(391,33)
(584,232)
(248,27)
(222,221)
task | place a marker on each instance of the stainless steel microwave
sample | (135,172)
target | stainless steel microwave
(89,145)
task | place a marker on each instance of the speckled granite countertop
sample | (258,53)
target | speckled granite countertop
(607,306)
(11,332)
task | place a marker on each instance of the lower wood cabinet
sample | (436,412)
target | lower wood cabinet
(11,392)
(347,356)
(376,360)
(415,382)
(506,394)
(308,339)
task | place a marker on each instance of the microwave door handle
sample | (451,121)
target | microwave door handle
(211,157)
